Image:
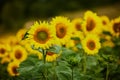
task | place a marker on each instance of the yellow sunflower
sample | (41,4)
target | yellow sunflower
(50,56)
(115,27)
(105,22)
(63,29)
(77,24)
(92,23)
(18,53)
(42,35)
(12,68)
(91,44)
(3,50)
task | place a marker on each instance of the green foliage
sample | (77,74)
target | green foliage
(72,65)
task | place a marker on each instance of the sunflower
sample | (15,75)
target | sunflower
(77,24)
(12,68)
(91,44)
(51,56)
(63,29)
(18,53)
(105,22)
(42,35)
(3,50)
(115,27)
(92,23)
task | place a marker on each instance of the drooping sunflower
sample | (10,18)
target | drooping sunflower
(115,27)
(91,44)
(105,22)
(12,68)
(42,35)
(63,28)
(92,23)
(18,53)
(51,56)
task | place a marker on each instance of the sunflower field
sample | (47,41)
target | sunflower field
(83,48)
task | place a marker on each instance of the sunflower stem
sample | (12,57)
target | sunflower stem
(44,60)
(72,73)
(84,63)
(107,73)
(54,67)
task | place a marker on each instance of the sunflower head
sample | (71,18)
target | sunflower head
(92,23)
(12,68)
(62,28)
(105,22)
(77,24)
(91,44)
(3,50)
(115,28)
(18,53)
(42,35)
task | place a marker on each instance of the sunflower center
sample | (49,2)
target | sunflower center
(78,27)
(41,36)
(14,69)
(116,27)
(60,30)
(2,51)
(50,53)
(90,24)
(91,45)
(104,22)
(18,54)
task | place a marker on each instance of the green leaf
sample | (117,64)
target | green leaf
(56,49)
(91,61)
(29,68)
(63,72)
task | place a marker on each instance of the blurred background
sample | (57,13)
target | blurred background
(15,14)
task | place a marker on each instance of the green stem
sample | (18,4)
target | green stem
(84,63)
(72,73)
(44,56)
(107,73)
(54,67)
(44,60)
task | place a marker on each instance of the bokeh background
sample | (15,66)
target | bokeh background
(15,14)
